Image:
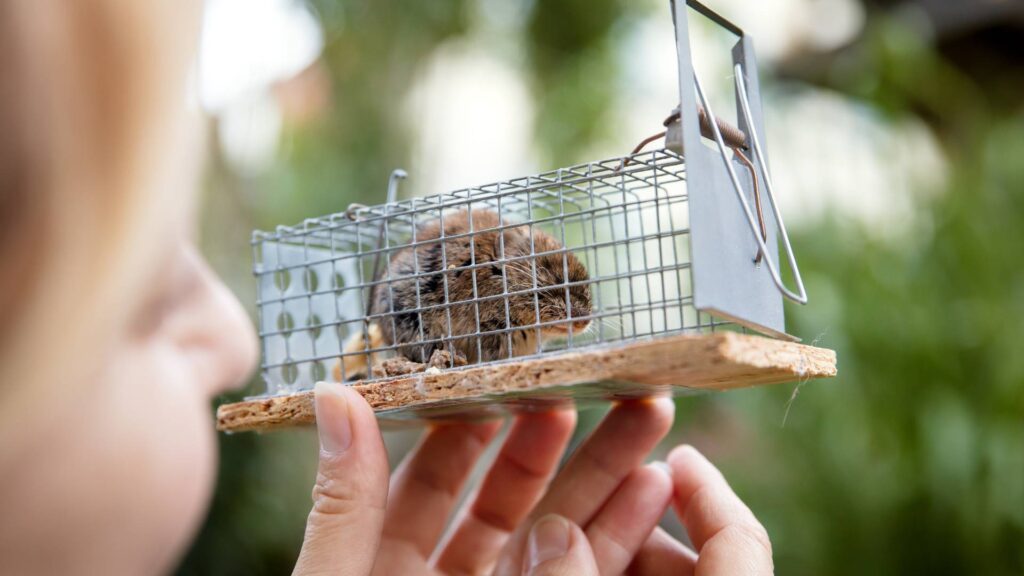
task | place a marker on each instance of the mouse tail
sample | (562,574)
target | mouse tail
(355,362)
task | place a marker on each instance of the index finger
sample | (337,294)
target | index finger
(727,536)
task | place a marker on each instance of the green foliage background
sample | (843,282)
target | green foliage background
(911,461)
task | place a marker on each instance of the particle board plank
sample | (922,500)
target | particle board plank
(665,365)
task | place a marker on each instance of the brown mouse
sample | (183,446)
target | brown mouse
(419,336)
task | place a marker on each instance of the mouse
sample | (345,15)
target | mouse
(440,332)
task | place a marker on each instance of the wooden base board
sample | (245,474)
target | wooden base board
(673,364)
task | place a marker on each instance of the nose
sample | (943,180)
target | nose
(580,320)
(222,338)
(581,323)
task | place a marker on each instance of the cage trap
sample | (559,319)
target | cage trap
(626,277)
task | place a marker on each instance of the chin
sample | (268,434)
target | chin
(196,465)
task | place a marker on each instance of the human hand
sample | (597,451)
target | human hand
(356,527)
(727,536)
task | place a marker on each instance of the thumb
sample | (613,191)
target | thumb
(344,527)
(557,546)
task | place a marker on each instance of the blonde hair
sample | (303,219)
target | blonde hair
(92,111)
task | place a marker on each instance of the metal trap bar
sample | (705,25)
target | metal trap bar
(626,223)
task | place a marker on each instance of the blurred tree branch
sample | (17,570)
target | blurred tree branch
(951,62)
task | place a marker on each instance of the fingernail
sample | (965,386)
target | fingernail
(666,403)
(663,466)
(332,418)
(549,539)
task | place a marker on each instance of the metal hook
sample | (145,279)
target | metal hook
(396,175)
(354,207)
(801,296)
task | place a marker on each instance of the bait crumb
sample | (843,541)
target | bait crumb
(402,366)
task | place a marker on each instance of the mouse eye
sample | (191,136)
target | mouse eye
(559,279)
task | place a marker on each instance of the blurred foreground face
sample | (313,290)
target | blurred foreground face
(118,483)
(116,334)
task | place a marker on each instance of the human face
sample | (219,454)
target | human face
(119,481)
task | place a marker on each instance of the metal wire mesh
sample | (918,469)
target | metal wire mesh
(626,223)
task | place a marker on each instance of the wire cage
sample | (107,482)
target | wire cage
(545,286)
(626,223)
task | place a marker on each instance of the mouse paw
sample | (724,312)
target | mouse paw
(398,366)
(444,359)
